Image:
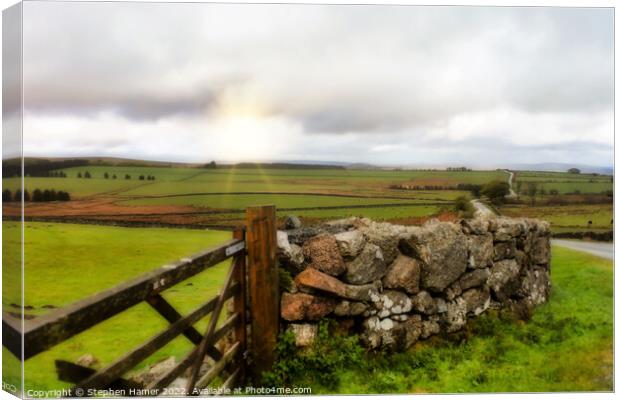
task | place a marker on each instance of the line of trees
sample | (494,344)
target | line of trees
(423,187)
(106,175)
(38,167)
(51,174)
(38,195)
(469,187)
(532,189)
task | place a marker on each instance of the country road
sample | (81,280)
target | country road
(600,249)
(512,193)
(481,209)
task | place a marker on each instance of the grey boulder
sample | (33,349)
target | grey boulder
(367,267)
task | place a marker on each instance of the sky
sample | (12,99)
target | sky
(389,85)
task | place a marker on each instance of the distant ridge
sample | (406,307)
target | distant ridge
(283,165)
(562,167)
(12,164)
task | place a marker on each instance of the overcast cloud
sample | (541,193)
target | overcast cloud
(389,85)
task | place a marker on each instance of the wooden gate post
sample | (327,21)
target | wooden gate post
(263,284)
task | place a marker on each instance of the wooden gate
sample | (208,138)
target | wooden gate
(257,241)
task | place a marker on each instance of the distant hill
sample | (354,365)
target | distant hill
(285,165)
(39,166)
(12,167)
(96,161)
(313,162)
(127,162)
(562,167)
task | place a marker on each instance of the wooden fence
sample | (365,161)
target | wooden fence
(254,293)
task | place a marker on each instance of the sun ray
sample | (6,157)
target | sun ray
(230,177)
(266,178)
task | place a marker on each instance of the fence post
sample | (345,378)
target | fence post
(240,307)
(263,284)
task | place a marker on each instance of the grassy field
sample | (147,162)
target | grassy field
(181,180)
(564,182)
(76,187)
(566,346)
(311,193)
(580,198)
(231,201)
(217,197)
(566,218)
(377,213)
(87,259)
(224,180)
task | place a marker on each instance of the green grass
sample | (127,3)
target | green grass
(97,184)
(566,346)
(381,213)
(321,181)
(66,262)
(11,263)
(160,173)
(566,183)
(578,187)
(569,217)
(276,186)
(195,180)
(574,329)
(377,213)
(232,188)
(281,201)
(76,187)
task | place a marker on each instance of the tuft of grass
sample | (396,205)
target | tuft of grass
(330,354)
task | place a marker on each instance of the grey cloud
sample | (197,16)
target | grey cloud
(11,61)
(134,108)
(334,70)
(571,69)
(404,59)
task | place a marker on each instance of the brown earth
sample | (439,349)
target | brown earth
(105,210)
(90,207)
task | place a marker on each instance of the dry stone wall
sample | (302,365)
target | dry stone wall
(395,285)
